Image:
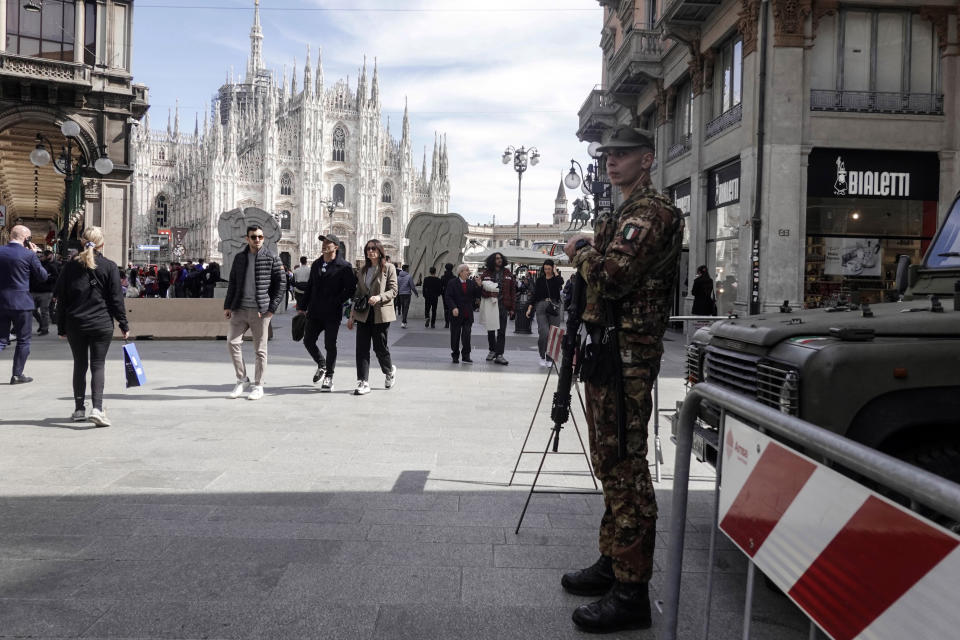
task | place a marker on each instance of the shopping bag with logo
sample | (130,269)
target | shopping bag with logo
(133,366)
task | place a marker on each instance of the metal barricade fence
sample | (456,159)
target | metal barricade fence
(839,585)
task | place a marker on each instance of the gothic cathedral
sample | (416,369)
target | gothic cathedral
(318,158)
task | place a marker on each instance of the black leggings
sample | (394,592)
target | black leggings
(89,347)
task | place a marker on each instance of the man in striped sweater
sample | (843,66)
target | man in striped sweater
(254,293)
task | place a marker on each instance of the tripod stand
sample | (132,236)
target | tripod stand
(555,440)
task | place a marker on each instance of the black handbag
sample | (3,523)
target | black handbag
(361,302)
(298,326)
(553,308)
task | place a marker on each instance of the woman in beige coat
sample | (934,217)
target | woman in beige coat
(377,282)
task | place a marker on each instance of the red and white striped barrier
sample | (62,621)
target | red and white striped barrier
(859,565)
(555,343)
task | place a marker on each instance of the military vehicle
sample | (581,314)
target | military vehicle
(886,375)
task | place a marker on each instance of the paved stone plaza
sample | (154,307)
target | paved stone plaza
(309,515)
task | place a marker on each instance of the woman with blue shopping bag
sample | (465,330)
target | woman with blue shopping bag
(89,299)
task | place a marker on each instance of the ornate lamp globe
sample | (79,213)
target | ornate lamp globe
(571,180)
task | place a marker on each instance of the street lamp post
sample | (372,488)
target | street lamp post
(591,184)
(521,157)
(64,164)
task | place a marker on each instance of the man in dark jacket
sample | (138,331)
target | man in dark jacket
(444,281)
(330,284)
(253,296)
(459,297)
(163,281)
(211,276)
(432,290)
(19,267)
(42,292)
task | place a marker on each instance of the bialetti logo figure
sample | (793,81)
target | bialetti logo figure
(871,183)
(725,192)
(840,186)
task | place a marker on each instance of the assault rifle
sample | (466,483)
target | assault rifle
(570,359)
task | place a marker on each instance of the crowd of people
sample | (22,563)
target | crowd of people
(176,280)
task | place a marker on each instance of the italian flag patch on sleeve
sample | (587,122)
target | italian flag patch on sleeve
(631,232)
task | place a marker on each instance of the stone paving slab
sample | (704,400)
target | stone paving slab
(311,515)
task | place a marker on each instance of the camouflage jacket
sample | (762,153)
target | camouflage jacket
(634,263)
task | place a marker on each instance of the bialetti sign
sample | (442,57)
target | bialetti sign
(724,186)
(856,173)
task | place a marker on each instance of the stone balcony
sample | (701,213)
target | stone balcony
(29,68)
(597,114)
(637,62)
(685,13)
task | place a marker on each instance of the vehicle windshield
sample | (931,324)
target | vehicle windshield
(945,252)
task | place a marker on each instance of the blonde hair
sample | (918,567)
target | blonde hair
(92,241)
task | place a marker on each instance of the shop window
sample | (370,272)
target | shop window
(339,144)
(160,212)
(728,76)
(48,33)
(682,120)
(339,194)
(386,227)
(286,184)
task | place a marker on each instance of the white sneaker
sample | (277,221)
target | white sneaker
(363,388)
(544,363)
(239,389)
(490,356)
(256,392)
(403,325)
(80,415)
(99,418)
(327,385)
(391,377)
(319,374)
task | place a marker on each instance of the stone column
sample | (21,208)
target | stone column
(3,25)
(114,214)
(79,28)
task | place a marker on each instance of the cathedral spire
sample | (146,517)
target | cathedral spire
(405,134)
(293,79)
(436,158)
(362,86)
(169,128)
(176,121)
(306,74)
(196,125)
(319,71)
(256,45)
(561,192)
(560,204)
(375,90)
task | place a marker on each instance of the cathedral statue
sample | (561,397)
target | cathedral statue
(315,155)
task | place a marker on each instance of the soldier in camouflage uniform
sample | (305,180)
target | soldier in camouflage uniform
(630,269)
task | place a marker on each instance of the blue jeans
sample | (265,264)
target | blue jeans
(21,323)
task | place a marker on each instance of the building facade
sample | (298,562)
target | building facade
(316,156)
(490,236)
(853,104)
(68,63)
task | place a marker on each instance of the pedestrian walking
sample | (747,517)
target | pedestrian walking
(445,279)
(89,300)
(405,289)
(163,281)
(253,296)
(704,299)
(42,292)
(211,276)
(630,270)
(547,307)
(432,291)
(19,267)
(460,296)
(133,283)
(300,277)
(330,283)
(377,287)
(499,298)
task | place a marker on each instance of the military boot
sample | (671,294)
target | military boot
(595,580)
(626,606)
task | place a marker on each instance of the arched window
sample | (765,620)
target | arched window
(339,194)
(286,184)
(160,214)
(386,192)
(163,153)
(285,220)
(385,230)
(339,144)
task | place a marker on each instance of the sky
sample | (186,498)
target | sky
(506,72)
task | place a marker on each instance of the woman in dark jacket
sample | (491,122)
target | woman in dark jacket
(704,302)
(88,301)
(546,294)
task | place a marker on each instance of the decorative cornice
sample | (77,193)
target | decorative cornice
(788,22)
(695,68)
(820,9)
(709,56)
(748,24)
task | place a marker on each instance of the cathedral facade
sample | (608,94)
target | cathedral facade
(317,157)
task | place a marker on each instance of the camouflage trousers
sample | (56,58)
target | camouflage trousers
(628,528)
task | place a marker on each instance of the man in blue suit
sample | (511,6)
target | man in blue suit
(459,297)
(19,265)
